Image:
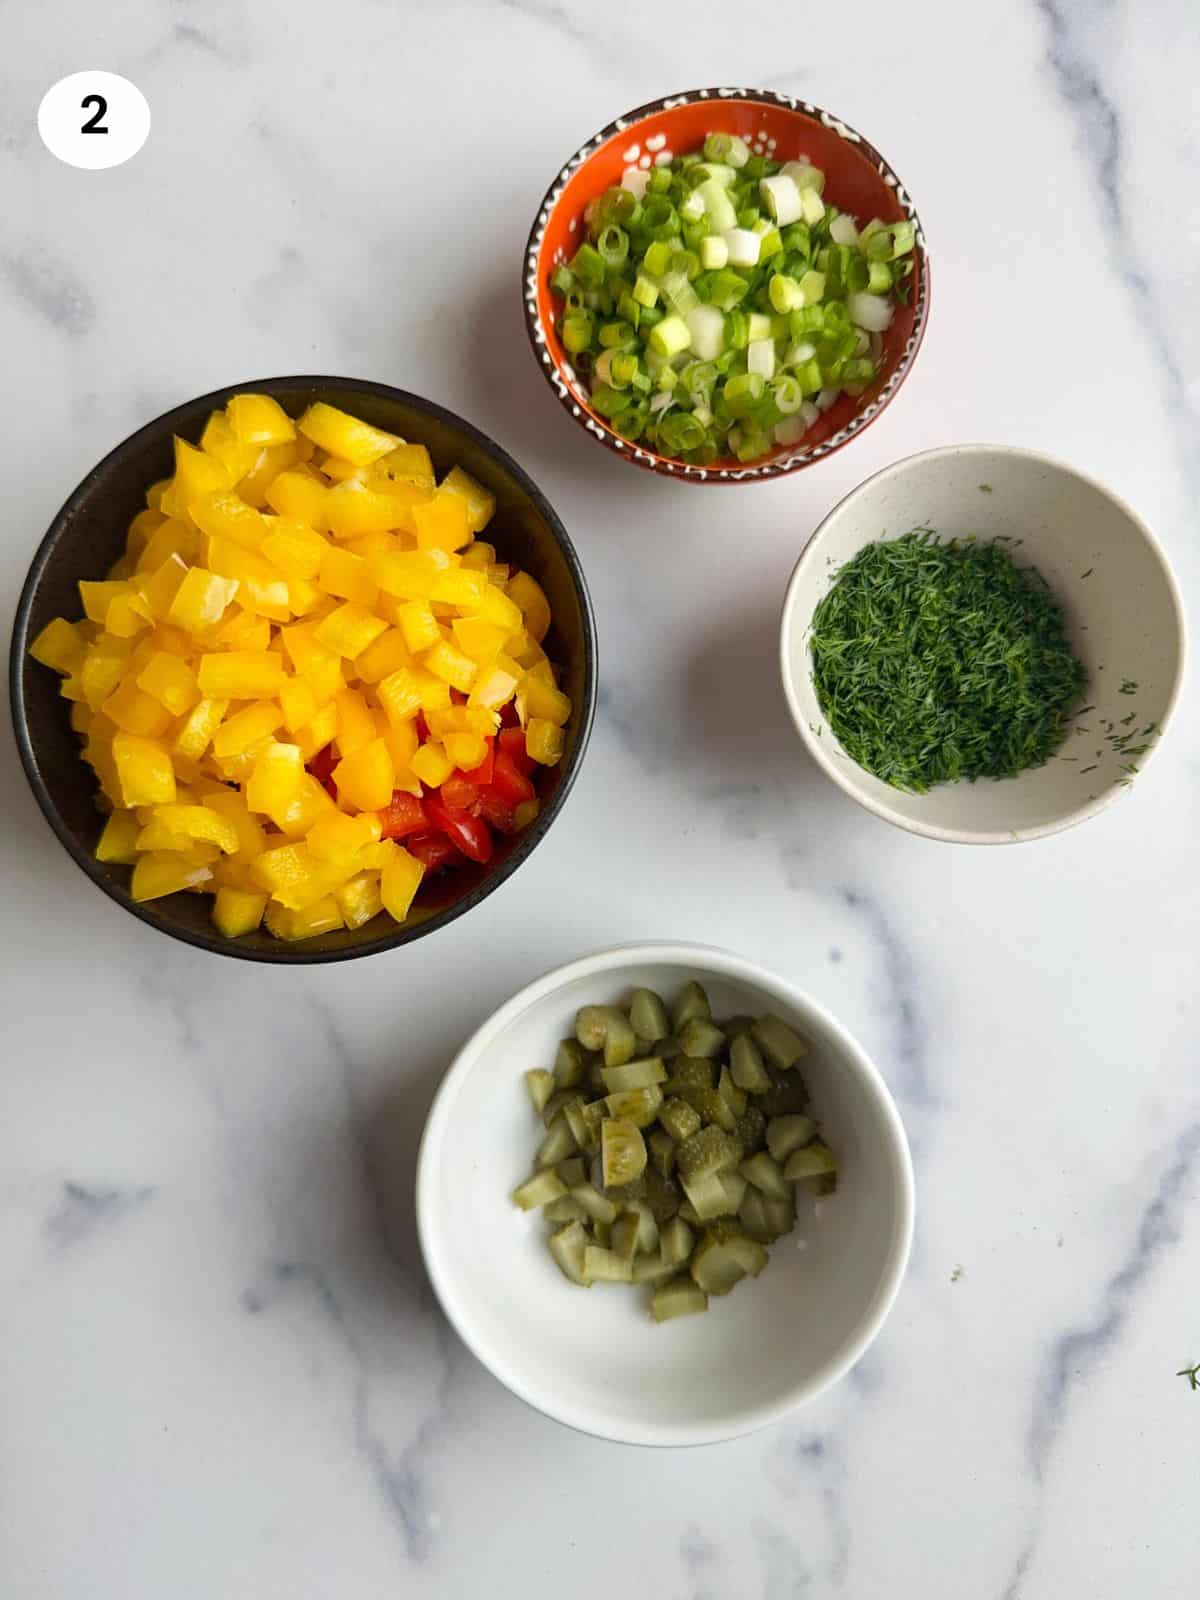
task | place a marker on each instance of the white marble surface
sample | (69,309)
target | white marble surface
(221,1373)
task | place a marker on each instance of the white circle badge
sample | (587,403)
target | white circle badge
(94,119)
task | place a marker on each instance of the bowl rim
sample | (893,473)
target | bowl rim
(685,955)
(641,456)
(293,955)
(843,772)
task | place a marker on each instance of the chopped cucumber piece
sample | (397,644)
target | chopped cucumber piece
(595,1205)
(569,1247)
(636,1105)
(572,1171)
(785,1134)
(746,1065)
(679,1119)
(574,1113)
(691,1005)
(675,1241)
(733,1097)
(751,1130)
(688,1213)
(814,1161)
(690,1072)
(765,1173)
(661,1147)
(679,1297)
(634,1075)
(594,1114)
(606,1028)
(701,1038)
(541,1086)
(735,1188)
(711,1107)
(622,1150)
(709,1151)
(623,1240)
(652,1268)
(558,1144)
(662,1193)
(781,1045)
(708,1197)
(570,1064)
(724,1256)
(539,1191)
(603,1266)
(564,1209)
(648,1016)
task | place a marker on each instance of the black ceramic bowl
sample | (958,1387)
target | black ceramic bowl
(87,537)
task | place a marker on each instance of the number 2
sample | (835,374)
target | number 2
(92,125)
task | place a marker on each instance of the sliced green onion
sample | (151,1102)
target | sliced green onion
(577,331)
(645,292)
(657,259)
(613,245)
(789,396)
(588,266)
(671,337)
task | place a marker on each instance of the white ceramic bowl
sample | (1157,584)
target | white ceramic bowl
(593,1358)
(1124,616)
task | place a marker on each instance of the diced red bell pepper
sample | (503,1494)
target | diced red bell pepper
(404,814)
(421,726)
(482,774)
(509,717)
(496,810)
(459,793)
(512,785)
(512,744)
(466,832)
(322,764)
(433,850)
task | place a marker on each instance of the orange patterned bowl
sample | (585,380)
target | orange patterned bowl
(857,179)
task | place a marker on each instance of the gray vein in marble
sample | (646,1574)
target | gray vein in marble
(799,1462)
(785,1571)
(190,37)
(909,1051)
(556,17)
(267,296)
(52,290)
(1078,1348)
(84,1210)
(702,1564)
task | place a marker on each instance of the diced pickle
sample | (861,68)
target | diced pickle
(623,1240)
(557,1145)
(633,1075)
(746,1065)
(711,1107)
(600,1234)
(735,1187)
(701,1038)
(733,1097)
(735,1027)
(724,1257)
(765,1173)
(570,1064)
(690,1003)
(814,1161)
(662,1194)
(690,1072)
(751,1129)
(652,1268)
(661,1149)
(787,1095)
(708,1198)
(679,1297)
(623,1151)
(556,1102)
(539,1190)
(569,1247)
(603,1266)
(541,1086)
(688,1213)
(679,1119)
(709,1151)
(640,1106)
(575,1113)
(596,1205)
(572,1171)
(781,1045)
(648,1016)
(675,1240)
(609,1029)
(594,1114)
(785,1134)
(564,1209)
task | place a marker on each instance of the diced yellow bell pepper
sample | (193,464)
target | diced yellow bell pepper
(492,688)
(323,916)
(60,646)
(97,597)
(408,574)
(275,780)
(252,836)
(144,771)
(349,629)
(199,824)
(338,838)
(359,899)
(196,474)
(257,419)
(525,592)
(140,530)
(402,741)
(400,694)
(342,471)
(159,585)
(101,671)
(253,723)
(300,496)
(135,711)
(399,882)
(304,598)
(243,630)
(441,523)
(354,509)
(356,725)
(241,674)
(367,777)
(478,639)
(81,714)
(449,664)
(460,587)
(224,516)
(544,741)
(479,555)
(543,699)
(272,460)
(118,841)
(418,626)
(345,436)
(170,681)
(174,538)
(126,616)
(262,588)
(498,608)
(499,573)
(369,545)
(409,463)
(346,576)
(316,663)
(196,733)
(298,703)
(310,804)
(156,491)
(431,764)
(221,443)
(293,547)
(292,875)
(481,502)
(201,599)
(466,750)
(166,872)
(238,911)
(322,730)
(524,649)
(461,719)
(379,659)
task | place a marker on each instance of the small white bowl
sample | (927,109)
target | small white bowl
(593,1358)
(1124,617)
